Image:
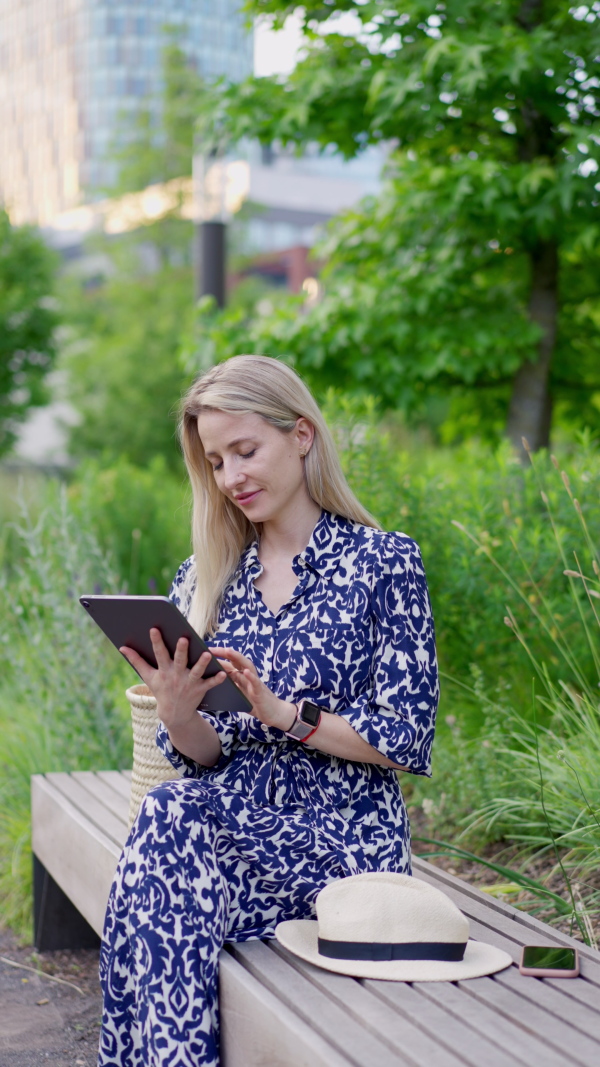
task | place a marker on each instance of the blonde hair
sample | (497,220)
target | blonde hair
(262,386)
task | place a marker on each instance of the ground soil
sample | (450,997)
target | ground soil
(42,1021)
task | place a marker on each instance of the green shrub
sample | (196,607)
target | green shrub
(62,705)
(65,708)
(141,516)
(531,778)
(119,357)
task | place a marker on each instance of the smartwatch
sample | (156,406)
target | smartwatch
(308,717)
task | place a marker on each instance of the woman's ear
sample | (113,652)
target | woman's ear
(304,434)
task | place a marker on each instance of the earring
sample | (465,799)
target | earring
(302,453)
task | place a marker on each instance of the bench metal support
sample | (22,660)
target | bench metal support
(57,922)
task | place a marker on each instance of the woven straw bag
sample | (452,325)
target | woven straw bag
(150,767)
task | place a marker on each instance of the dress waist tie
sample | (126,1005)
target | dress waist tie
(334,828)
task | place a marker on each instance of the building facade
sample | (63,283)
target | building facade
(69,69)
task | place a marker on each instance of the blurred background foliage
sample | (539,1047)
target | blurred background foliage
(122,527)
(27,324)
(413,346)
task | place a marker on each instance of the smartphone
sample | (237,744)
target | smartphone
(126,620)
(544,961)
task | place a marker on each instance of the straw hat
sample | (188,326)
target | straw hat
(391,926)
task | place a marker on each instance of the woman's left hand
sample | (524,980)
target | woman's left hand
(265,705)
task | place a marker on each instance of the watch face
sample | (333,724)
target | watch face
(310,713)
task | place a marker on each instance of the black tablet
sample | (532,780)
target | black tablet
(126,620)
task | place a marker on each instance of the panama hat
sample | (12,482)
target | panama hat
(390,926)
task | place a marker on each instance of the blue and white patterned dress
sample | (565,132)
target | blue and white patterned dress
(227,852)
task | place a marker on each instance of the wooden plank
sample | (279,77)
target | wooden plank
(473,1048)
(443,880)
(331,1022)
(486,923)
(258,1030)
(79,856)
(91,808)
(582,1017)
(493,936)
(430,873)
(525,1047)
(571,1045)
(375,1014)
(582,991)
(117,781)
(103,793)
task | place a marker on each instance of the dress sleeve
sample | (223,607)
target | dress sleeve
(396,715)
(225,723)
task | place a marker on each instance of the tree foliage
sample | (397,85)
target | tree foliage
(120,348)
(475,272)
(120,358)
(27,324)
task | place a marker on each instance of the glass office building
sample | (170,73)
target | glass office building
(70,68)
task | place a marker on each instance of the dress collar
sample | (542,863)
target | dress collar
(323,553)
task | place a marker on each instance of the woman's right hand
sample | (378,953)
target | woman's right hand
(178,689)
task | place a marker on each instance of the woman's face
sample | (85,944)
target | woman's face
(256,465)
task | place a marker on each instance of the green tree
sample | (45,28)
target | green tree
(156,145)
(120,358)
(120,350)
(27,324)
(476,271)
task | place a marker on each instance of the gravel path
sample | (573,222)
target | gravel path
(44,1022)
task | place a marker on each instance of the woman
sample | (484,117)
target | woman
(324,622)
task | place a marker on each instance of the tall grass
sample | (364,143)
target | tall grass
(61,685)
(539,786)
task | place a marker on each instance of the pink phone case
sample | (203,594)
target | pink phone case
(549,972)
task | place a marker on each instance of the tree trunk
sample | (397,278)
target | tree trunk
(530,410)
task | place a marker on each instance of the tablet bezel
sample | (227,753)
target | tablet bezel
(126,620)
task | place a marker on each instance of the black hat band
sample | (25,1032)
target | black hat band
(382,951)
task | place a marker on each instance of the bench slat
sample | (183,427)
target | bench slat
(257,1030)
(441,1024)
(506,933)
(581,1016)
(525,1048)
(570,1044)
(103,793)
(350,1038)
(375,1014)
(89,806)
(117,781)
(549,935)
(582,992)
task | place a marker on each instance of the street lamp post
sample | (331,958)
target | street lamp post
(210,187)
(211,260)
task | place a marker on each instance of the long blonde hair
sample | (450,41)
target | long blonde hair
(262,386)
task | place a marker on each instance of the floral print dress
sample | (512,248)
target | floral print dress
(226,852)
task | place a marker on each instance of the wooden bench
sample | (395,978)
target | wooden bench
(280,1012)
